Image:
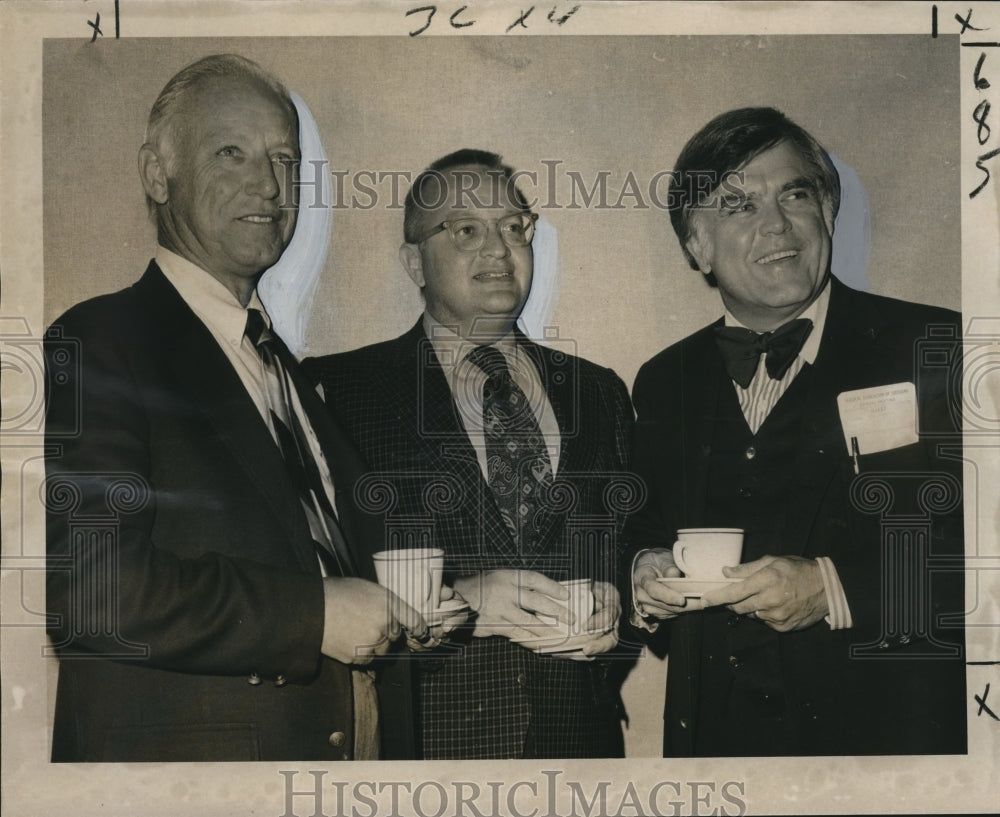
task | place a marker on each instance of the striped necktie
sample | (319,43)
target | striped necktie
(290,424)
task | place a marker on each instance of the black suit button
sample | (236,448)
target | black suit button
(750,453)
(735,662)
(254,679)
(522,679)
(280,681)
(745,492)
(338,739)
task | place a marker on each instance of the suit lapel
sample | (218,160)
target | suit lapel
(561,380)
(701,383)
(206,381)
(574,415)
(417,385)
(848,353)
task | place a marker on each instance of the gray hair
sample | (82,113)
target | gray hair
(160,128)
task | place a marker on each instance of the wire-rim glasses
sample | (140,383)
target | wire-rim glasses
(469,232)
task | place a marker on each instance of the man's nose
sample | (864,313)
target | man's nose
(493,244)
(773,219)
(263,179)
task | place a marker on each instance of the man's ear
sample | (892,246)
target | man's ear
(153,173)
(696,247)
(829,217)
(409,257)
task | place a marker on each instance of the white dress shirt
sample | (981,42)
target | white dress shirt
(466,381)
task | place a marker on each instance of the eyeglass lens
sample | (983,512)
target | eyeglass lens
(471,233)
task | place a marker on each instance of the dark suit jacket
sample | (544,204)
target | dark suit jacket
(181,568)
(889,685)
(394,399)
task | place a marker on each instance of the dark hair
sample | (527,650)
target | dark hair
(416,199)
(729,142)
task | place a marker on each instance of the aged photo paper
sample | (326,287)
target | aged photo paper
(592,101)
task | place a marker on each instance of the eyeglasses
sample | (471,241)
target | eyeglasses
(469,234)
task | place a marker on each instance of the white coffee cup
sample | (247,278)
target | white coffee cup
(701,553)
(580,603)
(413,574)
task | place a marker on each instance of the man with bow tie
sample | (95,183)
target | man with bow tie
(840,631)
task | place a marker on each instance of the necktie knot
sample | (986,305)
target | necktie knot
(491,360)
(257,331)
(741,349)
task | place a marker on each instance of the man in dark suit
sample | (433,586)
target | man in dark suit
(840,632)
(210,593)
(517,498)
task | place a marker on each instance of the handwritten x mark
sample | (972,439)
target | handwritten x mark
(982,704)
(96,25)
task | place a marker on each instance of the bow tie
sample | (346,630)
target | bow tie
(741,349)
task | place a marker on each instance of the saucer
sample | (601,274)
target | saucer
(446,609)
(695,588)
(560,642)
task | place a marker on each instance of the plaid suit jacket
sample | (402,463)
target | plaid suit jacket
(488,697)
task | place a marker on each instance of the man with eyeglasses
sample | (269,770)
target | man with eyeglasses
(492,447)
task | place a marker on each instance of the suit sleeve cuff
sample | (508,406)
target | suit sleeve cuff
(637,619)
(839,617)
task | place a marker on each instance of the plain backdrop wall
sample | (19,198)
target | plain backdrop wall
(886,105)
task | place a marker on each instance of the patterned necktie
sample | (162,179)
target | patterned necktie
(296,449)
(741,349)
(518,465)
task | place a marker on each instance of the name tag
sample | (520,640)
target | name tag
(878,419)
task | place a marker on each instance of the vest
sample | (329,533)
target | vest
(749,483)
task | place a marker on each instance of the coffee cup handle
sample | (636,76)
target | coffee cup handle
(678,551)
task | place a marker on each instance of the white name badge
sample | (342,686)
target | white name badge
(878,419)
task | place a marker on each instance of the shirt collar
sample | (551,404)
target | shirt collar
(451,349)
(816,312)
(208,297)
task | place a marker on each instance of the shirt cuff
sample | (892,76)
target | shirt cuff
(839,617)
(637,619)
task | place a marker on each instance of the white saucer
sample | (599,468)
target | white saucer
(559,642)
(564,653)
(695,588)
(446,609)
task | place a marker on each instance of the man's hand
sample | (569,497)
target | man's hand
(363,618)
(784,592)
(655,599)
(452,620)
(603,622)
(505,602)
